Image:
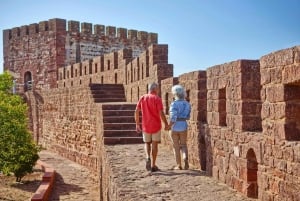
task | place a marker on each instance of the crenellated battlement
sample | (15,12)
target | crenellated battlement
(75,27)
(55,25)
(118,67)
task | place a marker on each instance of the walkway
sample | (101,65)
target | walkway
(136,183)
(73,182)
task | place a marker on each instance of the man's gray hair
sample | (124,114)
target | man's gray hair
(152,86)
(178,91)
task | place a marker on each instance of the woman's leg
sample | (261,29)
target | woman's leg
(183,148)
(176,149)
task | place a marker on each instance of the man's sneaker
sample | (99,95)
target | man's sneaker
(148,164)
(154,169)
(186,164)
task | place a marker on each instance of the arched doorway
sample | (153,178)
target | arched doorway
(252,167)
(27,81)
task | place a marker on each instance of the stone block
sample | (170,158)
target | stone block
(275,93)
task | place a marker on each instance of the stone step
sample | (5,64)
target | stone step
(106,86)
(122,140)
(120,113)
(123,106)
(119,126)
(114,119)
(121,133)
(100,94)
(107,99)
(107,93)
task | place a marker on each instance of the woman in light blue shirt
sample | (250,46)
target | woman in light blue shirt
(179,111)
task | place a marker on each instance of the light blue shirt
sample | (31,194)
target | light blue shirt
(180,112)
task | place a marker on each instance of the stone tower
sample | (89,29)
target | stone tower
(33,53)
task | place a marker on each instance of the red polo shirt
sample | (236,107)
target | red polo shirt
(150,104)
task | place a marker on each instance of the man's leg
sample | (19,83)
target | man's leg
(148,149)
(148,160)
(156,138)
(154,153)
(147,140)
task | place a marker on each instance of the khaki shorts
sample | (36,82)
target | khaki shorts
(149,137)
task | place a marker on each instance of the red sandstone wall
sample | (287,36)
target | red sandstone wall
(151,66)
(69,124)
(120,68)
(36,51)
(233,113)
(280,96)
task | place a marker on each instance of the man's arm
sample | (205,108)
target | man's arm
(137,121)
(164,119)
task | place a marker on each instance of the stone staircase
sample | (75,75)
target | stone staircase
(108,93)
(119,124)
(118,116)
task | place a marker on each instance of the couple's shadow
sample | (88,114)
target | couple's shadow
(171,172)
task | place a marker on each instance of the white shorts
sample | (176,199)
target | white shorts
(149,137)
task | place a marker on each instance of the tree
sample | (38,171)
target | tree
(18,152)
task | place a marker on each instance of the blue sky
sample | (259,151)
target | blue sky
(199,33)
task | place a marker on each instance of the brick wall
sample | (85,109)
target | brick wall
(69,117)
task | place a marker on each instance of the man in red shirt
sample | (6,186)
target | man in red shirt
(151,107)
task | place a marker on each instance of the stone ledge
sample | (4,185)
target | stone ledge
(44,190)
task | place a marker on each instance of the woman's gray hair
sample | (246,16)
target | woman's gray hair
(178,91)
(152,86)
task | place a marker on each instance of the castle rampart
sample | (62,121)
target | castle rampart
(120,68)
(244,125)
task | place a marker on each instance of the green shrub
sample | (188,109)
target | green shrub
(18,152)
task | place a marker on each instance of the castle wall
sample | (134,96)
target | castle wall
(33,48)
(151,66)
(69,124)
(233,114)
(280,95)
(245,124)
(35,52)
(120,68)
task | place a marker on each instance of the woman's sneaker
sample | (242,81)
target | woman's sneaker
(186,164)
(178,167)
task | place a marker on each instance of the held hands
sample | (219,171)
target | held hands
(139,130)
(168,127)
